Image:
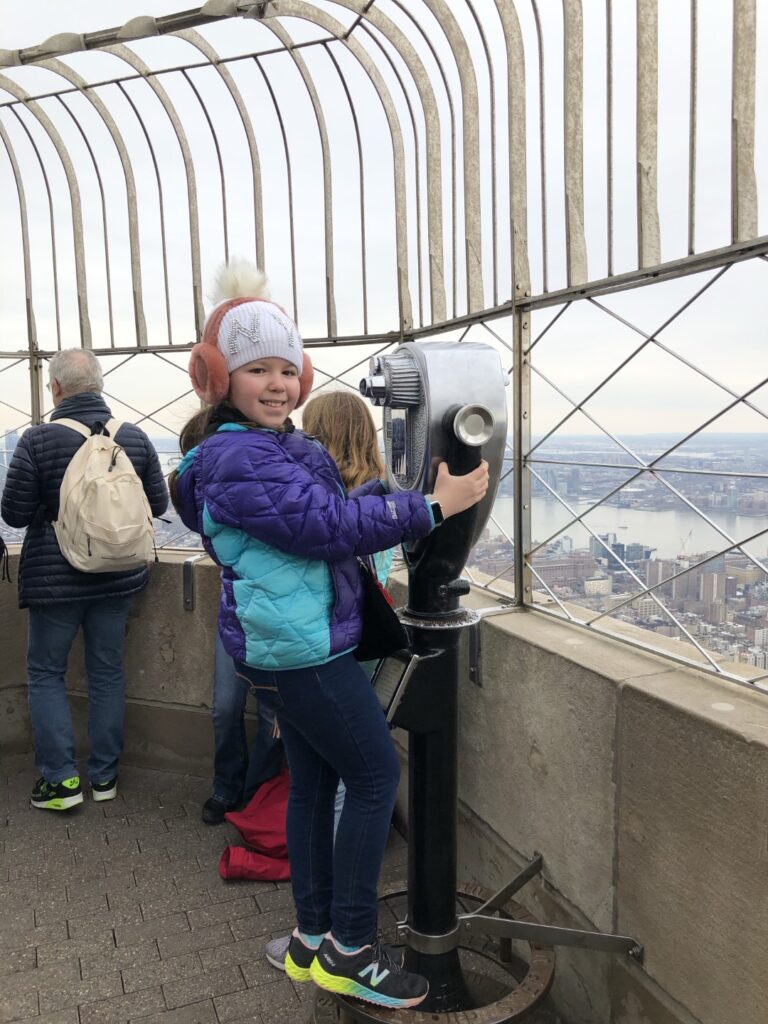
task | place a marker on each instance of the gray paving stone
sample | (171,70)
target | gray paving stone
(197,1013)
(217,912)
(67,1016)
(124,917)
(203,986)
(135,954)
(159,861)
(22,891)
(83,873)
(28,935)
(174,903)
(149,863)
(186,942)
(242,952)
(100,941)
(181,837)
(54,908)
(47,902)
(162,972)
(259,971)
(20,919)
(121,887)
(264,924)
(276,900)
(122,1008)
(157,928)
(42,978)
(37,862)
(160,815)
(278,1002)
(122,843)
(17,960)
(220,889)
(18,1004)
(78,992)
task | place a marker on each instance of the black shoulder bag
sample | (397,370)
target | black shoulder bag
(383,633)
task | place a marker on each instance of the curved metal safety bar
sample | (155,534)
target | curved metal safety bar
(62,69)
(130,58)
(201,43)
(74,197)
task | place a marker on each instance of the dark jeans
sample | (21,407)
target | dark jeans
(333,727)
(52,630)
(237,770)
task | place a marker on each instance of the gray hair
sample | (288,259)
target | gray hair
(76,370)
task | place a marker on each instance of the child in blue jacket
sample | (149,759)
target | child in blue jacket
(270,506)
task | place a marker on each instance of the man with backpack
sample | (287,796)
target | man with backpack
(86,487)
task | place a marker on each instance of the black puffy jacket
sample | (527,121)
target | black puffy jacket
(31,499)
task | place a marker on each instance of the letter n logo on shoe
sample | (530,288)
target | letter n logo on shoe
(376,976)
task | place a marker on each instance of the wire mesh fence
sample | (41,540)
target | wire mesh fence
(576,184)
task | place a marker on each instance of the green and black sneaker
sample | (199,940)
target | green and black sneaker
(59,797)
(373,973)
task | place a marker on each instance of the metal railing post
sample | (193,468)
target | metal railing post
(521,420)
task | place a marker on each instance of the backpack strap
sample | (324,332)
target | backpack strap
(74,425)
(112,425)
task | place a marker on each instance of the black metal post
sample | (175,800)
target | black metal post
(432,800)
(433,594)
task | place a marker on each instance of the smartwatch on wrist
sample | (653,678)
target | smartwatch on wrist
(437,510)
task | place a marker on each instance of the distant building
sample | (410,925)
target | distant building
(568,570)
(8,444)
(599,586)
(712,586)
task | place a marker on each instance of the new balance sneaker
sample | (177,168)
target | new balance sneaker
(58,797)
(298,958)
(104,790)
(276,950)
(373,974)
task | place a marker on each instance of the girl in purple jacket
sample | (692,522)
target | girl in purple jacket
(270,506)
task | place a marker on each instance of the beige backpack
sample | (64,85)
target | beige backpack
(105,520)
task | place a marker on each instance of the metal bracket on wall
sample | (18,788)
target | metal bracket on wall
(475,644)
(480,922)
(188,581)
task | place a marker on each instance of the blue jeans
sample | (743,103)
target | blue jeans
(237,771)
(333,727)
(52,630)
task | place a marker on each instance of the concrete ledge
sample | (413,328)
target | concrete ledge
(643,785)
(157,736)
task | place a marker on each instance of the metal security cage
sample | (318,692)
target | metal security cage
(575,183)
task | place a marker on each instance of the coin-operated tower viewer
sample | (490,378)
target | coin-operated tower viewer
(442,401)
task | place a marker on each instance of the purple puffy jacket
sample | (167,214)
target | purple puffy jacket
(272,511)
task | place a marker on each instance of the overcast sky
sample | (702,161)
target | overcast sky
(656,393)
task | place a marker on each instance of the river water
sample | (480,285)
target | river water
(670,531)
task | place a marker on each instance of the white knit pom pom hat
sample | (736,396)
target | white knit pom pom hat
(242,327)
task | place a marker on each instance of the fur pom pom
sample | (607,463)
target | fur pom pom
(239,279)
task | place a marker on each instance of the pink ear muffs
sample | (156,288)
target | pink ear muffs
(306,379)
(208,373)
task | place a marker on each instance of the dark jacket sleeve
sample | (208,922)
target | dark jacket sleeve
(22,494)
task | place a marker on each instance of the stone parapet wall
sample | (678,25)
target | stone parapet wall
(642,784)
